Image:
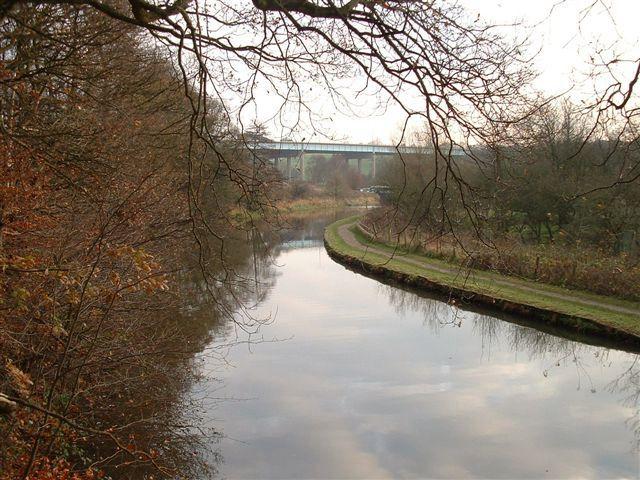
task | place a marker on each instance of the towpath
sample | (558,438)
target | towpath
(345,232)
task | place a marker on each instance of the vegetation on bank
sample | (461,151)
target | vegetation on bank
(583,311)
(303,197)
(116,227)
(547,203)
(575,267)
(114,231)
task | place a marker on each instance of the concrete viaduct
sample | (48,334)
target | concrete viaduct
(278,151)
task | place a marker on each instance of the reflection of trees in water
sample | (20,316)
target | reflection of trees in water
(535,343)
(553,351)
(242,278)
(435,314)
(628,384)
(303,228)
(221,315)
(165,415)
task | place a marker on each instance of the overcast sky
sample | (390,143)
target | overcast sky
(565,33)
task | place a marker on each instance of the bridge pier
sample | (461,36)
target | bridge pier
(287,150)
(373,165)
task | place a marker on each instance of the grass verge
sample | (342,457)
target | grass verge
(579,310)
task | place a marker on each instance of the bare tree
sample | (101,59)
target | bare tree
(69,88)
(429,57)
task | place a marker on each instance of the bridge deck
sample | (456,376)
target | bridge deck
(337,148)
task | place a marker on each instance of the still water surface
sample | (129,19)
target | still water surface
(367,380)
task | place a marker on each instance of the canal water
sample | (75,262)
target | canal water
(351,378)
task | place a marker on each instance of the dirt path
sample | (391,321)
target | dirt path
(348,236)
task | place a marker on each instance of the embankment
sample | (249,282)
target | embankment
(586,313)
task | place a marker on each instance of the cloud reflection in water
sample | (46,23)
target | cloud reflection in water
(377,382)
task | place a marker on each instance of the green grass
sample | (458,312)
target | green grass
(484,283)
(439,262)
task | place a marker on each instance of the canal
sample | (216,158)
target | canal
(352,378)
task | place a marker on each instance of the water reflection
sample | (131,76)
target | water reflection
(214,310)
(498,333)
(371,381)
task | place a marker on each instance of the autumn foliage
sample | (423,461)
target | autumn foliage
(103,193)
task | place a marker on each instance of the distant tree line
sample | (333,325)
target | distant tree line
(549,204)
